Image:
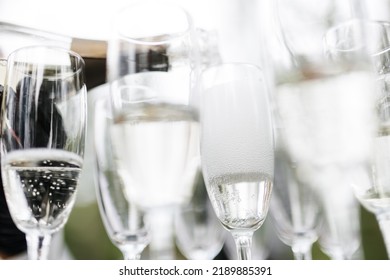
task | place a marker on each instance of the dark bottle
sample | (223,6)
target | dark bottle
(12,240)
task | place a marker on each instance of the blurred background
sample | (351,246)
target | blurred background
(239,27)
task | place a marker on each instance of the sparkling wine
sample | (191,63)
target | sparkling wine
(241,200)
(40,186)
(237,152)
(156,149)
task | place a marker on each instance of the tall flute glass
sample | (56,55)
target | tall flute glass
(43,129)
(123,221)
(372,183)
(295,209)
(151,60)
(318,103)
(237,148)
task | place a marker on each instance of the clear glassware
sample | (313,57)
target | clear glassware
(260,245)
(318,102)
(237,148)
(295,209)
(199,234)
(340,237)
(12,240)
(372,183)
(123,221)
(153,50)
(43,129)
(13,36)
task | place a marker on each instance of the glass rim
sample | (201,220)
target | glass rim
(385,24)
(117,32)
(78,66)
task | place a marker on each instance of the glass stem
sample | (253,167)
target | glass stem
(38,246)
(133,251)
(243,242)
(302,251)
(131,256)
(384,224)
(162,243)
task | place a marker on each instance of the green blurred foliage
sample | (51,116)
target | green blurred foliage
(87,239)
(373,244)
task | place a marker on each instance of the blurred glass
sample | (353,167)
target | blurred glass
(341,238)
(295,209)
(371,183)
(199,234)
(124,222)
(151,62)
(324,109)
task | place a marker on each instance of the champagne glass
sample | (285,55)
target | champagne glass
(372,182)
(43,129)
(237,148)
(199,234)
(123,221)
(318,102)
(154,136)
(295,209)
(151,59)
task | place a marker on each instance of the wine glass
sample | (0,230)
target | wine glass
(237,148)
(199,234)
(123,221)
(372,182)
(295,209)
(153,51)
(43,129)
